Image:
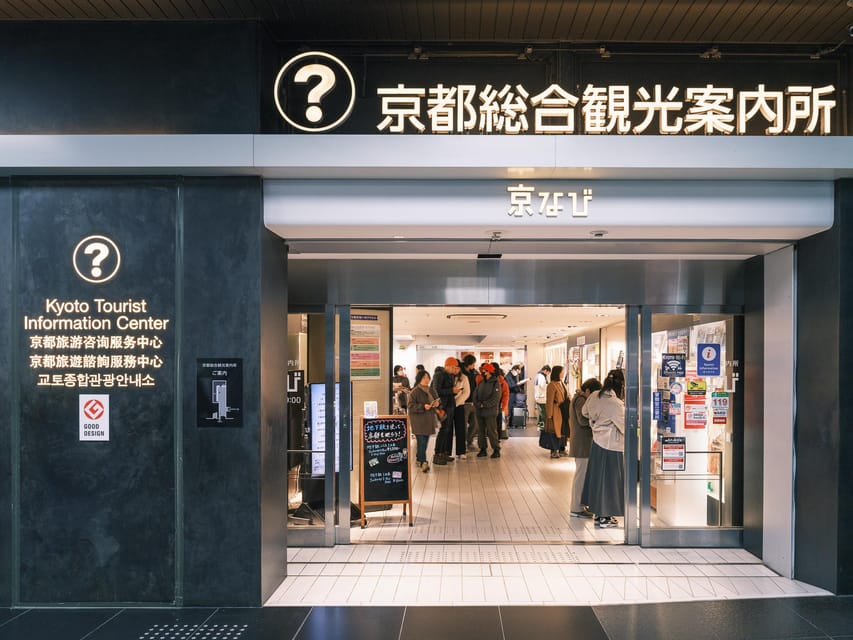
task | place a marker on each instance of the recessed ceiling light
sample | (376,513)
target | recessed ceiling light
(476,316)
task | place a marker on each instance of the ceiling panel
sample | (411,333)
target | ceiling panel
(781,22)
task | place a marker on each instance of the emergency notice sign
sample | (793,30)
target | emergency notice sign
(94,418)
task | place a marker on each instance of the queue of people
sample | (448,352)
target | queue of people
(460,403)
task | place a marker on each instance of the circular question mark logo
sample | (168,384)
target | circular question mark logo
(330,91)
(96,259)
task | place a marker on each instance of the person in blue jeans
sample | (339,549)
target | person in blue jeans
(422,416)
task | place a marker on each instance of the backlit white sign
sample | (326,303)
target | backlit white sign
(512,109)
(550,204)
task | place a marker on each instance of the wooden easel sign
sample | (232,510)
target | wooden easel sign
(385,476)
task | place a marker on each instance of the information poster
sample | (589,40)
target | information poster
(318,429)
(365,351)
(720,407)
(673,453)
(673,365)
(219,392)
(695,412)
(708,359)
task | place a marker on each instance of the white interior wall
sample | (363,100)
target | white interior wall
(779,367)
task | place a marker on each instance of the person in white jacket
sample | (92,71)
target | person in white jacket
(604,488)
(540,394)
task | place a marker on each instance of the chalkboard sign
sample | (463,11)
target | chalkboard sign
(385,476)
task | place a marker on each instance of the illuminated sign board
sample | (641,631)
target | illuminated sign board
(516,108)
(95,343)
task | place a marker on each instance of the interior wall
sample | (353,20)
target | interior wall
(779,345)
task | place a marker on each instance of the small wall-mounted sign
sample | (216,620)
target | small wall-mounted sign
(94,417)
(219,392)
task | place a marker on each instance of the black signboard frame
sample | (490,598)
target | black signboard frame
(385,451)
(219,392)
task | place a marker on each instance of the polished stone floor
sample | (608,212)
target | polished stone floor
(814,617)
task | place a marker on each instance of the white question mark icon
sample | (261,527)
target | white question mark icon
(101,252)
(327,82)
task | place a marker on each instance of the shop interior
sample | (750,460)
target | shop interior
(524,496)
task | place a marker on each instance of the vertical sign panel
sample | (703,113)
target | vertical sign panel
(96,320)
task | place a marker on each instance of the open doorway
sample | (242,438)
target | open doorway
(522,497)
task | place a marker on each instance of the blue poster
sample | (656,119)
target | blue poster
(707,359)
(673,365)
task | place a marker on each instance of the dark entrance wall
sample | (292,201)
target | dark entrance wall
(130,77)
(164,512)
(823,491)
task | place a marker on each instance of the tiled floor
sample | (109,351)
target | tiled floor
(821,617)
(499,532)
(470,574)
(521,497)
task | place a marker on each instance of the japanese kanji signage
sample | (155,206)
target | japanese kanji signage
(326,92)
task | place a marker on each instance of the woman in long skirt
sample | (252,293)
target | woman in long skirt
(604,488)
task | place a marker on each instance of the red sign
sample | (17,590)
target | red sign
(93,409)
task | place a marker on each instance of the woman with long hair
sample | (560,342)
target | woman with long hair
(557,411)
(604,488)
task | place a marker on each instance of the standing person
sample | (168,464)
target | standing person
(444,385)
(461,396)
(516,389)
(469,371)
(556,410)
(580,444)
(502,421)
(422,404)
(540,385)
(401,387)
(604,488)
(400,377)
(487,400)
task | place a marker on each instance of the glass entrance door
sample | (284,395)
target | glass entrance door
(690,436)
(319,428)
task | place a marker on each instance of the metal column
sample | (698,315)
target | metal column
(342,534)
(632,400)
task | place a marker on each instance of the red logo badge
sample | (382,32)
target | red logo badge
(93,409)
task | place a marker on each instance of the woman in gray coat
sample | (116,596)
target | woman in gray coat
(422,416)
(580,444)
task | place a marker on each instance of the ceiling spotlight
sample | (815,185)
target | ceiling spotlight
(418,53)
(526,53)
(850,3)
(603,52)
(598,233)
(711,54)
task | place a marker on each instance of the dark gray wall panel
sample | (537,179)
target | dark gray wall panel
(97,518)
(6,390)
(273,425)
(844,215)
(494,282)
(818,420)
(753,407)
(132,77)
(222,227)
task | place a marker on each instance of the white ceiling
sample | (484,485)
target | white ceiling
(483,326)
